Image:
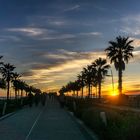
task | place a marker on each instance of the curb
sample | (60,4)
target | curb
(12,113)
(87,132)
(6,116)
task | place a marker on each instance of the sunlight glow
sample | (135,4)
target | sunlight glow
(114,93)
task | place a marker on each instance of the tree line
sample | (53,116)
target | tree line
(10,77)
(118,52)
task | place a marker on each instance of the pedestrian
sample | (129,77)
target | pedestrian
(43,99)
(30,99)
(62,100)
(37,99)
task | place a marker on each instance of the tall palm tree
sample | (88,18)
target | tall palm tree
(15,82)
(95,82)
(1,58)
(27,88)
(62,90)
(81,82)
(22,85)
(77,86)
(7,73)
(2,83)
(88,78)
(72,87)
(119,52)
(101,67)
(68,87)
(89,74)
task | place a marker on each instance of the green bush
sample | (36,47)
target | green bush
(121,125)
(12,105)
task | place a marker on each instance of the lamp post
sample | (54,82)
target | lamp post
(112,79)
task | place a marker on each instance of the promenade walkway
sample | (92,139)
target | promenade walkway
(41,123)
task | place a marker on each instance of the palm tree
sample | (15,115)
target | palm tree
(62,90)
(15,81)
(81,82)
(21,87)
(2,83)
(67,88)
(1,58)
(27,88)
(71,87)
(101,67)
(119,52)
(77,86)
(89,75)
(35,90)
(95,82)
(7,73)
(87,78)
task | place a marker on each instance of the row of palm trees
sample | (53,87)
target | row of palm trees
(119,52)
(8,77)
(91,76)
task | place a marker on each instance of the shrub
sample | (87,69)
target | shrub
(121,124)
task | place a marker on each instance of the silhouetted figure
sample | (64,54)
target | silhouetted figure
(30,99)
(50,95)
(62,100)
(37,99)
(43,99)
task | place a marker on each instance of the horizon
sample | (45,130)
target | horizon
(50,41)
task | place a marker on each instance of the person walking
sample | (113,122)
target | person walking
(30,99)
(43,99)
(37,99)
(62,100)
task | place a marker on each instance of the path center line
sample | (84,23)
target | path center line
(34,125)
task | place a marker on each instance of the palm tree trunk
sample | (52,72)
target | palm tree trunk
(21,93)
(77,93)
(15,93)
(18,94)
(96,91)
(99,82)
(99,89)
(89,90)
(26,93)
(82,91)
(74,93)
(8,89)
(120,81)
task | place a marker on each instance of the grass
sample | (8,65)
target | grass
(121,124)
(12,105)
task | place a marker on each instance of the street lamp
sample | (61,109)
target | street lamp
(112,79)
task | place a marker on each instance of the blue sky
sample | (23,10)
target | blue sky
(51,40)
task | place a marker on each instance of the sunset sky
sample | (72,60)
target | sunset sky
(50,41)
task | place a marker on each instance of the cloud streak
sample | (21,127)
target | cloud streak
(131,25)
(66,62)
(30,31)
(75,7)
(47,34)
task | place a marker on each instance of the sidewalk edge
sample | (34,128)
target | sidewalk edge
(83,127)
(7,115)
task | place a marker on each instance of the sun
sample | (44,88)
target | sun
(114,93)
(113,90)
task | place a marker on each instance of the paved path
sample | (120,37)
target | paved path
(41,123)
